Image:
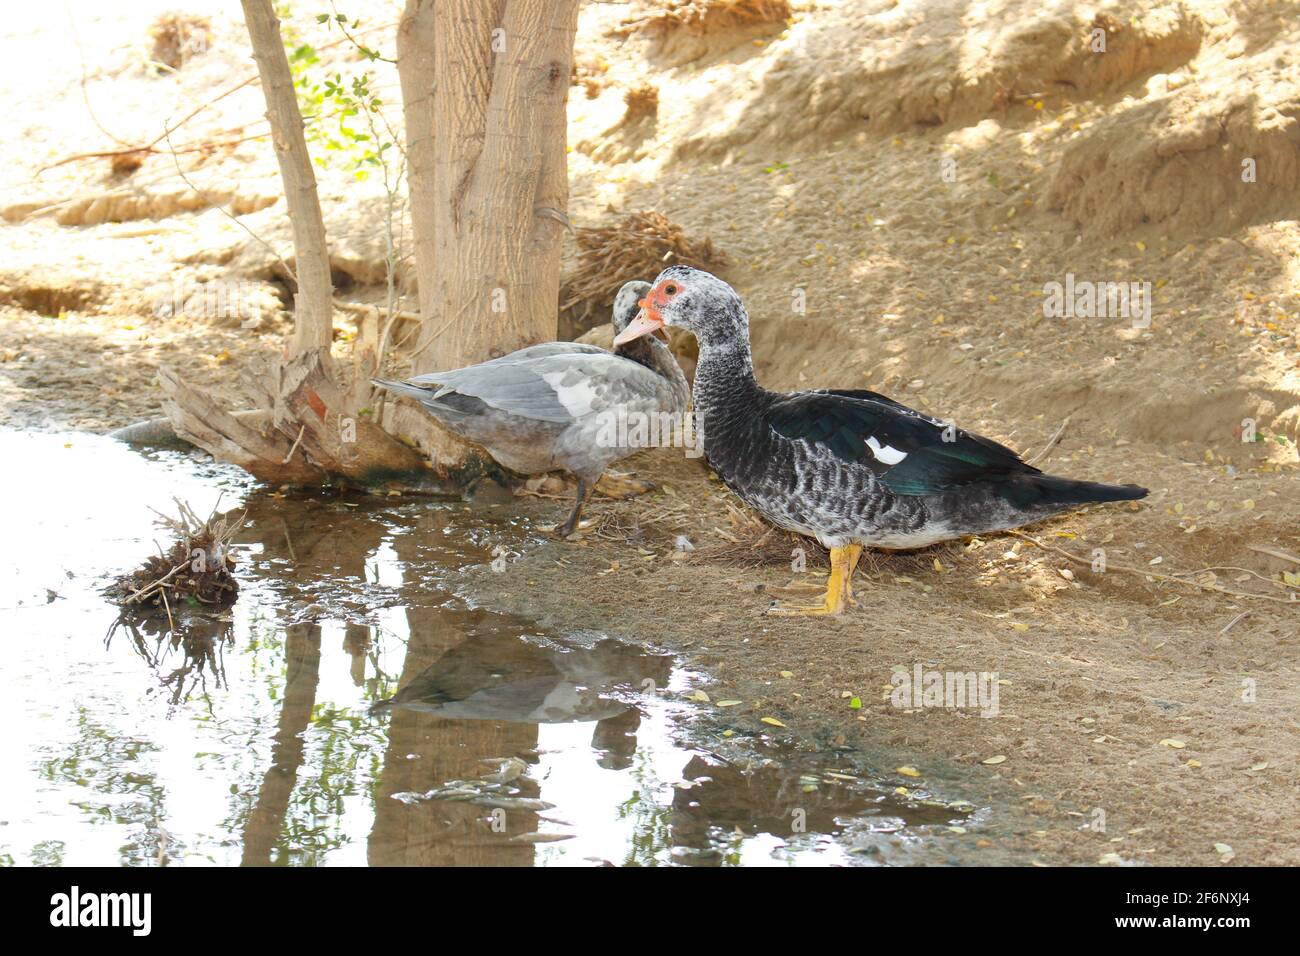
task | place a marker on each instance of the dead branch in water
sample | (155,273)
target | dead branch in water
(195,569)
(200,642)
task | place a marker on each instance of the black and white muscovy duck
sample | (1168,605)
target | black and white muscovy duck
(848,467)
(556,405)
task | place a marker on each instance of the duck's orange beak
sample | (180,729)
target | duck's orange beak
(648,320)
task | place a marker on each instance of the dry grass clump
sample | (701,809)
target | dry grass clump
(195,569)
(703,16)
(640,246)
(641,102)
(124,164)
(591,73)
(178,37)
(645,522)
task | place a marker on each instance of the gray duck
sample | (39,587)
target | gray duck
(848,467)
(555,405)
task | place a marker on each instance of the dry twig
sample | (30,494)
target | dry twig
(1155,575)
(1051,442)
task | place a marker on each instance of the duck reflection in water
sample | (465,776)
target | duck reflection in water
(502,677)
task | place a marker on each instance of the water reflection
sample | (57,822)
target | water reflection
(498,677)
(266,820)
(464,701)
(183,658)
(349,709)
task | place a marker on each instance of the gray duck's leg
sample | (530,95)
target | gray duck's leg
(566,529)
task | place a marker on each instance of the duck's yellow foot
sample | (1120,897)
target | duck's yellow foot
(839,591)
(854,552)
(622,486)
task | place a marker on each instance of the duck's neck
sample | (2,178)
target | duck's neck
(725,391)
(658,358)
(645,351)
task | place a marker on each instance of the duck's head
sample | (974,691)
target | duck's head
(694,300)
(627,304)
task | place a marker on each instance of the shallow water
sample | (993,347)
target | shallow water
(353,707)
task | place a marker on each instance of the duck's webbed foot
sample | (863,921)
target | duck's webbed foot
(839,591)
(617,486)
(571,523)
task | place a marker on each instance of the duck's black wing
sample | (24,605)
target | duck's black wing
(912,453)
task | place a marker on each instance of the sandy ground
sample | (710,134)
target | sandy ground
(920,182)
(1116,694)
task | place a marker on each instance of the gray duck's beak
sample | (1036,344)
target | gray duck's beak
(643,324)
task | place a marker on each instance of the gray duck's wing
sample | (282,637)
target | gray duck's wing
(560,388)
(432,380)
(595,384)
(546,350)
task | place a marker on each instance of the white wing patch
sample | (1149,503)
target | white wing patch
(577,397)
(885,454)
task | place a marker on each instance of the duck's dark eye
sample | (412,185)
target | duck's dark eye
(670,289)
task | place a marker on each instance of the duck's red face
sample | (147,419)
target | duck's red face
(651,318)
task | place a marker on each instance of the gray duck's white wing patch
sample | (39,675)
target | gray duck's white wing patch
(596,384)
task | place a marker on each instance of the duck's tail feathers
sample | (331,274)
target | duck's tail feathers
(403,388)
(1051,490)
(445,404)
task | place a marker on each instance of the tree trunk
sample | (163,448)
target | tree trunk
(313,309)
(484,85)
(316,426)
(485,112)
